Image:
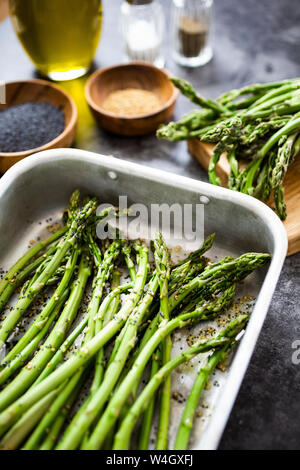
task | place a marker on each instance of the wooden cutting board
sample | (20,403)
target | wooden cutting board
(202,152)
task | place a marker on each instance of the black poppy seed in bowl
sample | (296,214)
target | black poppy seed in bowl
(29,125)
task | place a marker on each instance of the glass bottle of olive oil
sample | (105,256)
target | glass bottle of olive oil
(60,36)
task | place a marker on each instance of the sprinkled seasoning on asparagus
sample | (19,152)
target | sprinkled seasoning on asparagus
(109,331)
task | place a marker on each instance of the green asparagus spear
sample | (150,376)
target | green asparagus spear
(122,439)
(43,316)
(146,424)
(189,413)
(234,269)
(63,247)
(19,265)
(32,370)
(188,91)
(163,268)
(21,358)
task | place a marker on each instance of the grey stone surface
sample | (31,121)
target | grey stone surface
(254,41)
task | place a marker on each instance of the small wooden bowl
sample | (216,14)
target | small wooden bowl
(139,75)
(40,91)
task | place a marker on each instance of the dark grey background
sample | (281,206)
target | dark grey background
(254,40)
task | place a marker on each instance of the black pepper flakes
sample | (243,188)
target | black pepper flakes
(29,125)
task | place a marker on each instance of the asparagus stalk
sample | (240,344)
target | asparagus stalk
(233,269)
(22,276)
(162,262)
(56,406)
(109,314)
(243,103)
(60,353)
(189,413)
(104,269)
(42,357)
(119,360)
(242,266)
(43,316)
(270,103)
(284,156)
(212,168)
(112,411)
(19,265)
(111,307)
(253,89)
(188,91)
(60,401)
(22,357)
(81,357)
(279,202)
(279,91)
(16,435)
(54,430)
(103,273)
(114,407)
(32,370)
(194,309)
(292,125)
(130,264)
(107,310)
(146,424)
(74,207)
(63,247)
(57,414)
(195,255)
(122,439)
(82,423)
(249,128)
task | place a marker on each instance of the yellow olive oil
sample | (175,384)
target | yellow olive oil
(60,36)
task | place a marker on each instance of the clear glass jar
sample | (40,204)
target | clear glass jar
(143,30)
(191,26)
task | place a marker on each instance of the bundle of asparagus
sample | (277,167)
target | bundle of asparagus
(259,123)
(43,375)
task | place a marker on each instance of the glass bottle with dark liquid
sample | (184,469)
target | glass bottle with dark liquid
(192,32)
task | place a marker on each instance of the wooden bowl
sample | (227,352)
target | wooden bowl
(139,75)
(40,91)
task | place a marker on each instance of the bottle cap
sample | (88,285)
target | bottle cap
(139,2)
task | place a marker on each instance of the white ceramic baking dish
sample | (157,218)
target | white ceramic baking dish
(38,188)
